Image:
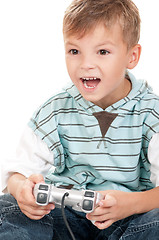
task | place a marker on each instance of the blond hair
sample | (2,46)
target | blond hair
(83,15)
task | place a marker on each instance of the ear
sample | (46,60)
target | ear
(134,56)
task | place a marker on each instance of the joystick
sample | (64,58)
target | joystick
(80,200)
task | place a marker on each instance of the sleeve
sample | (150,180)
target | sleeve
(32,157)
(153,156)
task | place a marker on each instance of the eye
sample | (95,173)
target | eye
(103,52)
(74,51)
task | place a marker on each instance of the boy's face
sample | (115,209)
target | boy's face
(97,63)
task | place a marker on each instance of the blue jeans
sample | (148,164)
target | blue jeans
(16,226)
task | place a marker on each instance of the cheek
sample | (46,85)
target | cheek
(116,69)
(67,62)
(116,62)
(72,72)
(71,65)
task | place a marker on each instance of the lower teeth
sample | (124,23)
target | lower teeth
(85,84)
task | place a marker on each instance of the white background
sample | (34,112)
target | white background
(32,64)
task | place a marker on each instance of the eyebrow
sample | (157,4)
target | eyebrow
(106,43)
(98,45)
(70,43)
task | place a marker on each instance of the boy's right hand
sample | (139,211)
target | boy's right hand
(26,200)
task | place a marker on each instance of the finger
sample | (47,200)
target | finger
(28,198)
(49,207)
(99,218)
(35,212)
(31,216)
(109,201)
(36,178)
(104,224)
(99,211)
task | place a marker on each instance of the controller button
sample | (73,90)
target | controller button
(89,194)
(42,198)
(43,187)
(87,205)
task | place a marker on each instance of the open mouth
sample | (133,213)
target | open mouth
(91,82)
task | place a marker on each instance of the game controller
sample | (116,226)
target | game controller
(80,200)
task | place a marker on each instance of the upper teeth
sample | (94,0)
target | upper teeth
(93,78)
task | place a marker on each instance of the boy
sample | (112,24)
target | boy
(100,133)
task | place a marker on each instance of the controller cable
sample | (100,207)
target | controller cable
(64,216)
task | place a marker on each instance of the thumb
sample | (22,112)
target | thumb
(109,201)
(36,178)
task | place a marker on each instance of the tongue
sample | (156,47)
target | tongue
(92,83)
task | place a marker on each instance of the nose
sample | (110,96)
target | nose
(87,63)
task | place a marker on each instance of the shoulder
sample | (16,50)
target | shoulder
(151,121)
(54,106)
(151,97)
(58,101)
(151,102)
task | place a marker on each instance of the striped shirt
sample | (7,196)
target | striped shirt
(95,148)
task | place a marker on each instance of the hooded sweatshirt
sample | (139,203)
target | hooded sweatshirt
(99,149)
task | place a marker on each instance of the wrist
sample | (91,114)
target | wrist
(15,183)
(145,201)
(137,202)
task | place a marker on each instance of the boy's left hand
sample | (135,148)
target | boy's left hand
(116,206)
